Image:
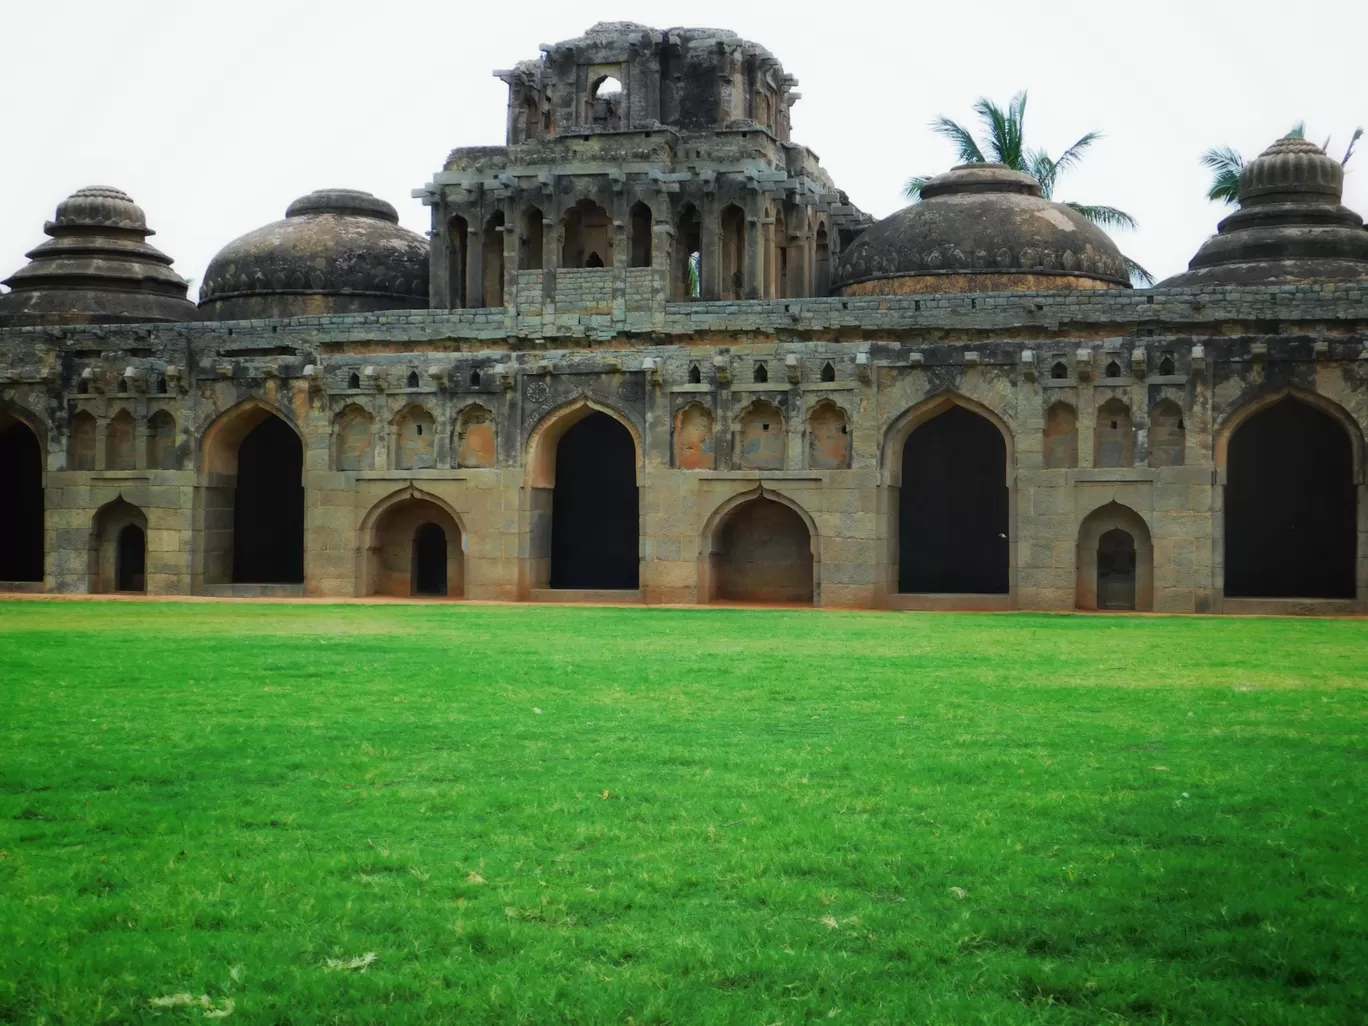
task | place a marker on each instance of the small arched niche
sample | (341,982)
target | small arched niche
(1115,560)
(1112,444)
(415,440)
(1167,435)
(354,440)
(476,444)
(828,438)
(1061,437)
(760,437)
(694,442)
(162,453)
(588,236)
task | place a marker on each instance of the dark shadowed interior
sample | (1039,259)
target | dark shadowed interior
(21,511)
(952,507)
(1116,570)
(1290,506)
(594,507)
(131,559)
(268,507)
(430,561)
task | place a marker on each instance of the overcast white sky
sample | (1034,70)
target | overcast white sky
(215,116)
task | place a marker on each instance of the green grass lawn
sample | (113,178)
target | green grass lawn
(542,815)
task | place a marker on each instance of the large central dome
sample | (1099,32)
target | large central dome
(981,228)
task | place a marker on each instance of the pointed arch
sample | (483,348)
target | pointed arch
(695,432)
(81,441)
(162,451)
(475,441)
(219,441)
(716,549)
(761,437)
(353,437)
(895,434)
(397,554)
(414,432)
(1061,436)
(546,435)
(1227,425)
(118,548)
(121,441)
(1115,560)
(22,534)
(828,436)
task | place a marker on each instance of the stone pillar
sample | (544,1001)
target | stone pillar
(710,274)
(753,274)
(439,273)
(475,263)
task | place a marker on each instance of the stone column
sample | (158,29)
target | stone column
(439,267)
(710,274)
(753,274)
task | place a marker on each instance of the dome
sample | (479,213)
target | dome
(336,251)
(981,228)
(1290,227)
(96,268)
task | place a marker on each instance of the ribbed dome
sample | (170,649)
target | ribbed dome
(96,268)
(1290,227)
(336,251)
(981,228)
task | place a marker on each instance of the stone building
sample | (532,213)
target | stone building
(649,352)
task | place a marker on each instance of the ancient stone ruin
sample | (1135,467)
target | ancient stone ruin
(651,353)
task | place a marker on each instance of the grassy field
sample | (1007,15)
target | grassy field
(442,813)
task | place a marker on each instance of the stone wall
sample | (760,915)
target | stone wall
(350,385)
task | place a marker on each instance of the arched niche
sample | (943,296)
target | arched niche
(353,439)
(415,546)
(531,234)
(1113,444)
(1167,435)
(695,444)
(1292,485)
(21,501)
(733,252)
(584,463)
(475,438)
(1108,537)
(948,463)
(253,486)
(828,437)
(761,437)
(118,548)
(81,437)
(121,451)
(588,240)
(415,439)
(1061,436)
(162,450)
(760,546)
(640,230)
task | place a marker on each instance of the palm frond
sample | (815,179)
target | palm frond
(1070,157)
(1225,163)
(913,186)
(969,152)
(1044,170)
(1107,217)
(1139,277)
(1353,141)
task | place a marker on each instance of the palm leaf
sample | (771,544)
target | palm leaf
(1070,157)
(1139,277)
(1044,170)
(913,186)
(969,152)
(1225,163)
(1107,217)
(1353,141)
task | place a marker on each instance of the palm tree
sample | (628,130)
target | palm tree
(1226,163)
(1005,143)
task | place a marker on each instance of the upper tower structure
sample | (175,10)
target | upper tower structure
(621,76)
(640,165)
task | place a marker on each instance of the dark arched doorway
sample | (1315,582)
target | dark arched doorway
(429,560)
(21,508)
(953,507)
(1116,570)
(594,507)
(1290,510)
(762,552)
(130,559)
(268,506)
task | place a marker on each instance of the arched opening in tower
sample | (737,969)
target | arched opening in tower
(1290,506)
(1116,570)
(953,507)
(430,561)
(762,552)
(594,507)
(268,506)
(21,511)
